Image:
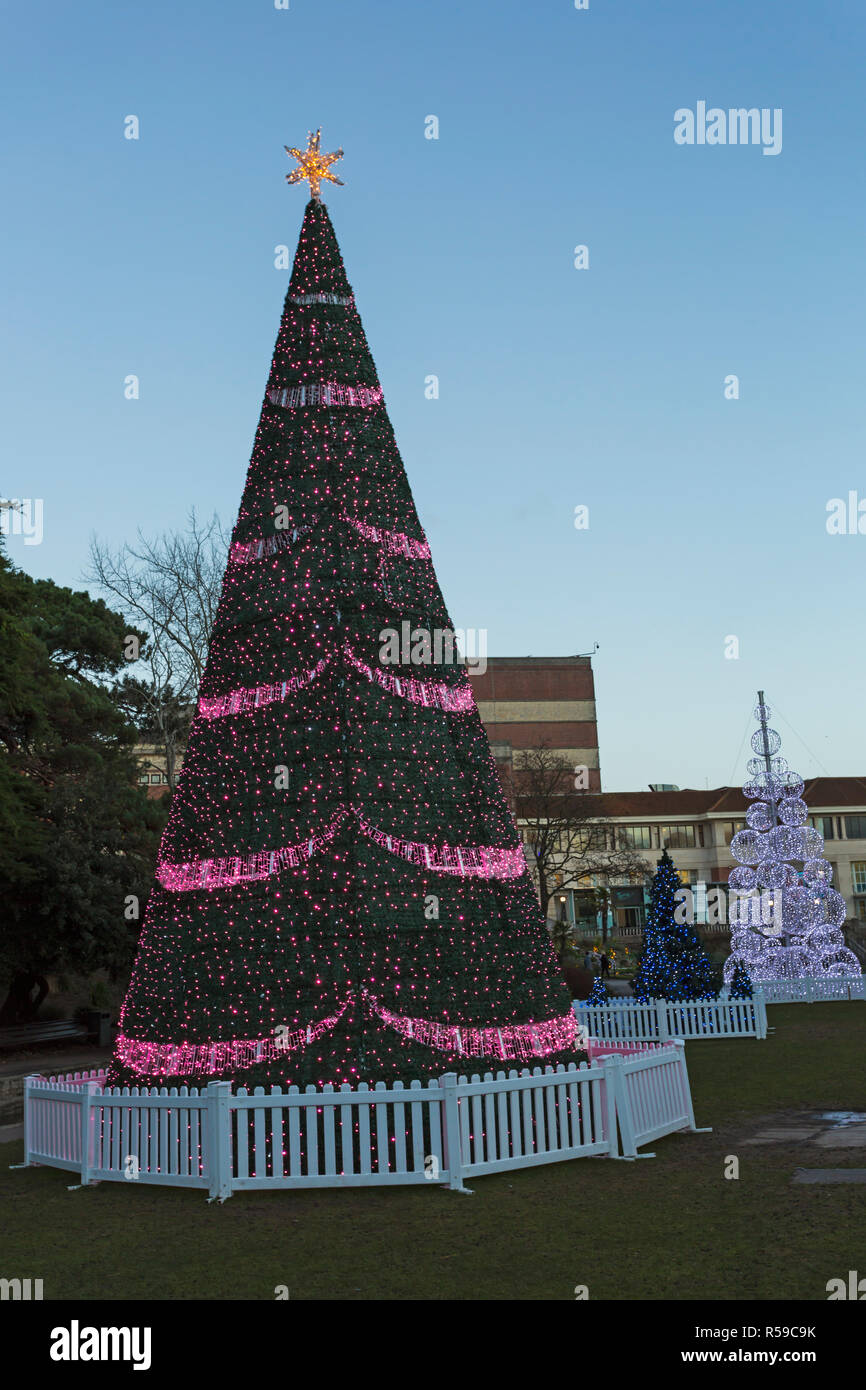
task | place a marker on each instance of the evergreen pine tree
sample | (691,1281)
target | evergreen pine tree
(598,993)
(741,985)
(672,964)
(342,893)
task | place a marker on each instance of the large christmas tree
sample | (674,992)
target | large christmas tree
(341,890)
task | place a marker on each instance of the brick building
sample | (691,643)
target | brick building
(525,701)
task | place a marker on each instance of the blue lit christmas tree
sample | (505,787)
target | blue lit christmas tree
(598,993)
(673,964)
(741,985)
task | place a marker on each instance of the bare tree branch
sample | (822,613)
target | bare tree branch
(570,844)
(169,586)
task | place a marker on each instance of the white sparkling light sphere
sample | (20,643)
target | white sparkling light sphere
(813,843)
(786,842)
(742,880)
(771,873)
(773,744)
(836,907)
(818,871)
(792,784)
(747,846)
(792,810)
(758,816)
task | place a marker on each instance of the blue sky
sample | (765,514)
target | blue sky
(558,387)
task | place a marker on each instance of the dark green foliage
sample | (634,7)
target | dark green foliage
(77,834)
(741,984)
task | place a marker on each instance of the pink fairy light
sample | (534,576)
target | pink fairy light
(522,1041)
(432,694)
(467,861)
(207,1059)
(324,393)
(242,552)
(510,1041)
(224,873)
(473,861)
(394,542)
(347,300)
(435,694)
(247,700)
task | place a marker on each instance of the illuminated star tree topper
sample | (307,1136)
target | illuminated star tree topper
(313,165)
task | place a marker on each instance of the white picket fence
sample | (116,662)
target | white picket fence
(442,1132)
(658,1020)
(812,989)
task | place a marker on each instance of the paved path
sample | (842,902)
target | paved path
(51,1063)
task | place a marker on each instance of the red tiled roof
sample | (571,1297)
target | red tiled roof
(819,793)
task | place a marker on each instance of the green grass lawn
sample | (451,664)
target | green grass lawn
(671,1227)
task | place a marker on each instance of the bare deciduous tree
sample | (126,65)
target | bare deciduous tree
(170,587)
(569,841)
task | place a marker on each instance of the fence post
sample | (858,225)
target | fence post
(219,1140)
(88,1116)
(683,1076)
(28,1131)
(760,1005)
(662,1015)
(28,1121)
(451,1133)
(618,1109)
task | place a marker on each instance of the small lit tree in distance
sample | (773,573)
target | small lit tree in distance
(598,993)
(673,964)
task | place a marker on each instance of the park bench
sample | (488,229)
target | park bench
(33,1034)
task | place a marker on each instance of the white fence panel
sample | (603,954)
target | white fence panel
(541,1117)
(657,1094)
(440,1132)
(659,1020)
(344,1138)
(813,989)
(55,1118)
(155,1136)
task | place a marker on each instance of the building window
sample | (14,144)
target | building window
(858,875)
(585,906)
(156,777)
(825,825)
(143,777)
(678,836)
(636,836)
(855,827)
(592,837)
(730,829)
(628,910)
